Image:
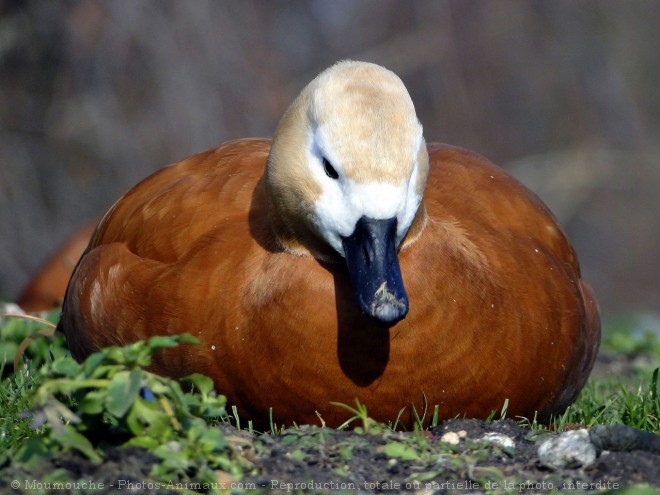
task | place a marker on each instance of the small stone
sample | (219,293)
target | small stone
(450,437)
(499,439)
(568,450)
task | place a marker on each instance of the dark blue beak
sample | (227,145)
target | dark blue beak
(373,265)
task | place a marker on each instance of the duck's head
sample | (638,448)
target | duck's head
(346,177)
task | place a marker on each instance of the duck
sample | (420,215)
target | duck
(344,259)
(46,288)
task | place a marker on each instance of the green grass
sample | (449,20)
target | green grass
(630,398)
(17,387)
(51,404)
(14,401)
(613,400)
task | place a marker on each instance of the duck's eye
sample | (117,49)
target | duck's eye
(329,169)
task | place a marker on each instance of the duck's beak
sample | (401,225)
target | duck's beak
(374,269)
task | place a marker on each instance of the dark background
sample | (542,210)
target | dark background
(95,95)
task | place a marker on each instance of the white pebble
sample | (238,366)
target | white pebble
(499,439)
(450,437)
(453,437)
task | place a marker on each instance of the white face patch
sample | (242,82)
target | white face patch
(343,201)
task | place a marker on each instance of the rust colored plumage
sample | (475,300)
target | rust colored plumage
(45,291)
(498,309)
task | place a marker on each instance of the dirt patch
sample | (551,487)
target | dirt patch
(324,460)
(123,471)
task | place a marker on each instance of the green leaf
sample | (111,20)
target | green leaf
(69,438)
(133,419)
(32,452)
(144,442)
(92,402)
(66,366)
(210,408)
(209,439)
(158,387)
(147,418)
(122,391)
(202,382)
(7,351)
(212,440)
(340,471)
(173,455)
(104,370)
(116,355)
(346,453)
(162,342)
(298,455)
(92,362)
(186,338)
(401,451)
(425,476)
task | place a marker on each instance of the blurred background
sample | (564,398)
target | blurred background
(565,95)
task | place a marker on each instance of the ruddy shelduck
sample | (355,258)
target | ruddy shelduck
(345,259)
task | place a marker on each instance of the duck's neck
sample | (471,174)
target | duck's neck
(304,243)
(417,227)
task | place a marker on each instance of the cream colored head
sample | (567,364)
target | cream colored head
(349,146)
